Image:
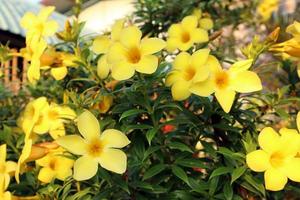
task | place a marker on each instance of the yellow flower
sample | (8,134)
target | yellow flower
(104,105)
(133,54)
(183,35)
(31,115)
(23,157)
(204,22)
(225,83)
(55,165)
(294,29)
(37,26)
(266,8)
(102,44)
(187,71)
(6,167)
(276,158)
(4,195)
(95,148)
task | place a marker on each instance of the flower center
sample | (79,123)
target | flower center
(95,148)
(133,55)
(277,159)
(40,27)
(185,37)
(189,73)
(52,164)
(222,79)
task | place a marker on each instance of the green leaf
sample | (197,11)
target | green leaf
(190,162)
(180,173)
(228,192)
(131,113)
(150,134)
(220,171)
(237,173)
(213,184)
(227,152)
(154,171)
(180,146)
(256,183)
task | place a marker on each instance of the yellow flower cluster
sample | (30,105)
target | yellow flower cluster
(37,28)
(290,49)
(278,157)
(202,74)
(126,52)
(266,8)
(95,147)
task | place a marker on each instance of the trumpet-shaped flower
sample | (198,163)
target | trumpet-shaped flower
(225,83)
(95,148)
(6,167)
(104,105)
(277,157)
(183,35)
(38,26)
(188,70)
(132,54)
(55,165)
(4,195)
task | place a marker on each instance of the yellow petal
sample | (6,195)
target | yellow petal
(103,67)
(73,143)
(33,72)
(2,154)
(199,35)
(213,64)
(101,44)
(114,138)
(172,77)
(246,81)
(175,30)
(10,166)
(46,175)
(182,61)
(24,155)
(85,168)
(298,121)
(180,90)
(131,36)
(206,23)
(152,45)
(113,160)
(88,125)
(204,88)
(189,22)
(172,44)
(147,64)
(117,29)
(50,28)
(44,161)
(59,72)
(57,132)
(116,53)
(291,169)
(290,141)
(258,160)
(241,65)
(269,140)
(64,173)
(122,70)
(66,113)
(200,57)
(45,12)
(225,98)
(28,20)
(275,180)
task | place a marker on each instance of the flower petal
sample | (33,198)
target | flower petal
(10,166)
(113,160)
(291,169)
(172,77)
(189,22)
(101,44)
(180,90)
(117,29)
(122,70)
(152,45)
(46,175)
(203,88)
(50,28)
(85,168)
(182,61)
(246,81)
(73,143)
(200,57)
(269,140)
(242,65)
(103,67)
(258,160)
(116,53)
(88,125)
(131,36)
(59,72)
(206,23)
(114,138)
(147,65)
(275,180)
(2,154)
(290,141)
(225,98)
(199,35)
(213,64)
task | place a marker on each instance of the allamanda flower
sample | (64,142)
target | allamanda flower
(6,167)
(4,195)
(183,35)
(187,70)
(132,54)
(226,83)
(277,157)
(95,148)
(55,165)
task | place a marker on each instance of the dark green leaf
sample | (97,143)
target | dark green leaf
(131,113)
(180,173)
(220,171)
(180,146)
(154,171)
(237,173)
